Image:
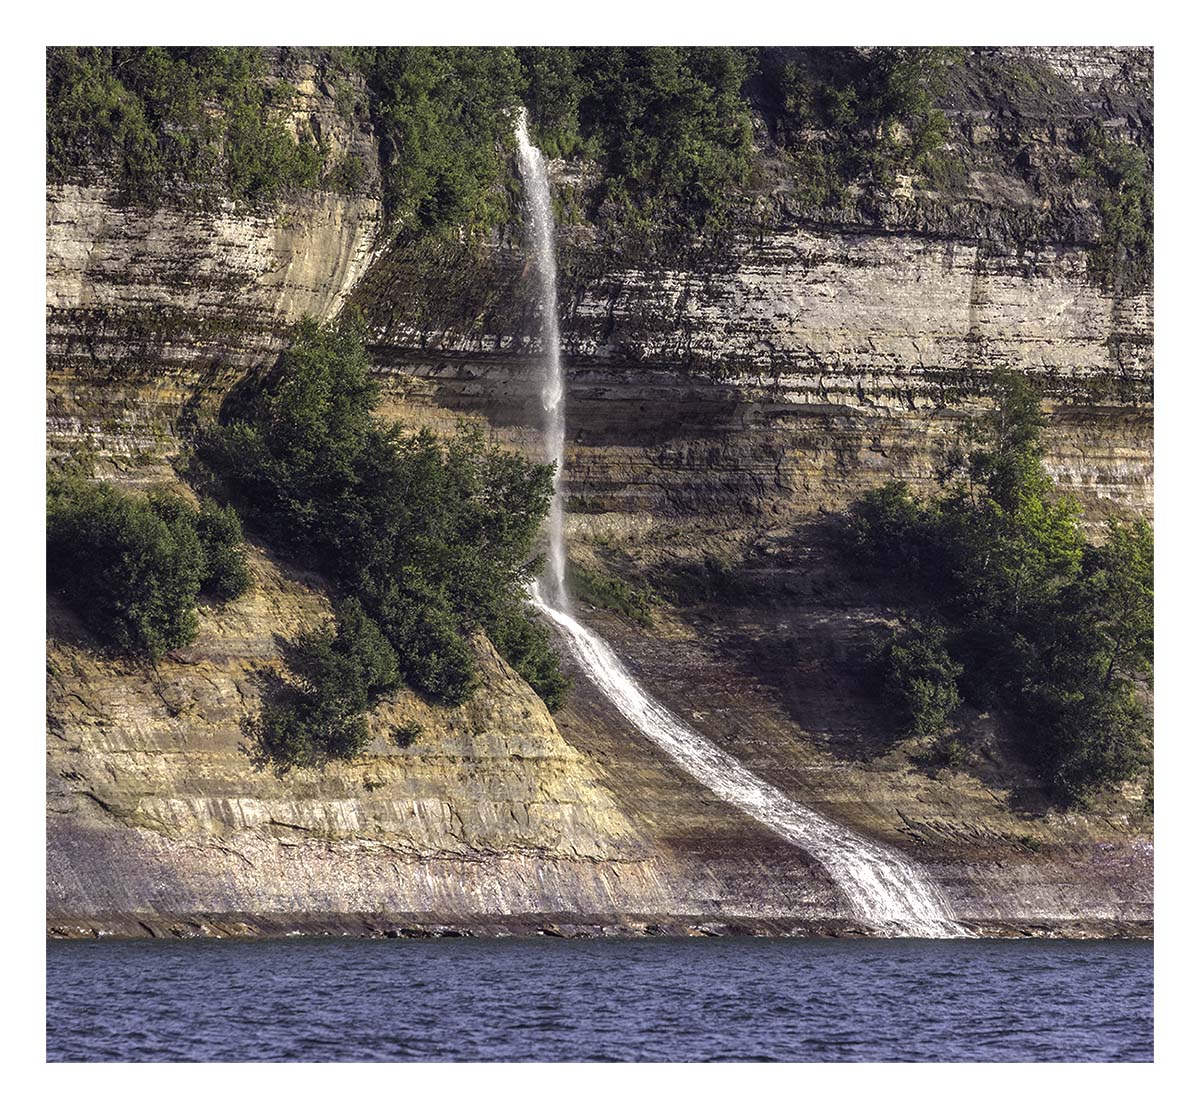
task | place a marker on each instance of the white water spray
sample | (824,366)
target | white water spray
(883,889)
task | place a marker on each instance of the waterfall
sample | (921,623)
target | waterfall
(882,889)
(554,425)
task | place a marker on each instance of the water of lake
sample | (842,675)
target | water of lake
(600,999)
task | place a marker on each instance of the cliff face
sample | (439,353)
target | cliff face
(501,819)
(152,316)
(719,400)
(157,811)
(804,369)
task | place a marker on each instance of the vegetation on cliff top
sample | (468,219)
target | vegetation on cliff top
(443,118)
(201,120)
(846,116)
(433,539)
(668,126)
(134,566)
(663,135)
(1040,624)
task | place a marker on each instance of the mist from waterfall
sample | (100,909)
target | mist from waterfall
(881,888)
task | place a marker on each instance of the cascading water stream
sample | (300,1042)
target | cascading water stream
(883,889)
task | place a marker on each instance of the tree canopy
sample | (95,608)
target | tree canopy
(134,566)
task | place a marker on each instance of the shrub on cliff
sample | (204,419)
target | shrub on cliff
(1056,632)
(526,645)
(226,572)
(917,678)
(1123,178)
(134,566)
(594,587)
(433,537)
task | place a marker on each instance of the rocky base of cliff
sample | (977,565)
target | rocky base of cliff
(503,820)
(365,926)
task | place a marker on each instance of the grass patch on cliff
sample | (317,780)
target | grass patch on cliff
(1056,633)
(432,537)
(133,566)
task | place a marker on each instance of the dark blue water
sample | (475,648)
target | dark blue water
(643,999)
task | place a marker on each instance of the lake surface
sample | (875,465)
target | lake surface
(641,999)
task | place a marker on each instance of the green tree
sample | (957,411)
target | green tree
(1002,543)
(443,115)
(336,674)
(434,537)
(1122,176)
(1115,600)
(890,526)
(671,128)
(551,89)
(226,572)
(854,116)
(917,678)
(1053,630)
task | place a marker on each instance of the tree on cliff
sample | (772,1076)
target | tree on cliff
(433,537)
(1056,632)
(133,566)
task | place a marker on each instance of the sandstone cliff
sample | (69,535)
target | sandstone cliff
(719,400)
